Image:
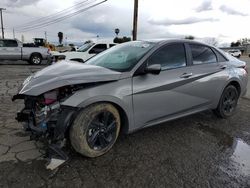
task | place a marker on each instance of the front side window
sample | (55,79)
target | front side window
(202,54)
(10,43)
(170,57)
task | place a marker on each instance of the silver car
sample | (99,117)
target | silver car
(126,88)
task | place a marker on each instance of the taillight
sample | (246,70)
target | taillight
(48,51)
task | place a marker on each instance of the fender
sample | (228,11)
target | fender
(122,108)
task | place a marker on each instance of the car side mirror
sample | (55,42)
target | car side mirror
(153,69)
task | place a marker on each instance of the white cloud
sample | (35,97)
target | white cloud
(185,21)
(205,6)
(231,11)
(157,19)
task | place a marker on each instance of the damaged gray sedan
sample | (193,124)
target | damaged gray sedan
(128,87)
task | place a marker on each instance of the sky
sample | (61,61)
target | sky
(225,20)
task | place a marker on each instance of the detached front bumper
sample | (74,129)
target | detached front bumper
(50,125)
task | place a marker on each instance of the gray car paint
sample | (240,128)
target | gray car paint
(66,73)
(146,99)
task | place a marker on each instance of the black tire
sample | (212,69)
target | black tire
(238,56)
(228,102)
(95,129)
(35,59)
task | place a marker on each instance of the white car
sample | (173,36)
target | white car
(85,52)
(235,53)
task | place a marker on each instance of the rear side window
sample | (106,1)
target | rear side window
(170,57)
(111,45)
(10,43)
(220,57)
(202,54)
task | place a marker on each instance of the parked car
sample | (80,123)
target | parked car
(83,53)
(11,49)
(126,88)
(235,53)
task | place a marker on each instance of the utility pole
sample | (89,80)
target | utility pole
(1,13)
(14,33)
(45,34)
(135,19)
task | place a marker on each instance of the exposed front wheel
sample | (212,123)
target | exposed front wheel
(36,59)
(95,130)
(228,102)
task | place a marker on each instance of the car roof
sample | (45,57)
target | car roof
(165,41)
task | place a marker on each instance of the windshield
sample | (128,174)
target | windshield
(122,57)
(85,47)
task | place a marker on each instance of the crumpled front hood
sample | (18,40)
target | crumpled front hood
(66,73)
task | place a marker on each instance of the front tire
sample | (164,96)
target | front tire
(95,130)
(228,102)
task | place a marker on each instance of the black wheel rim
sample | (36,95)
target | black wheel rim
(229,101)
(102,131)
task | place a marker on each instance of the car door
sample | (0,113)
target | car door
(11,50)
(207,68)
(163,96)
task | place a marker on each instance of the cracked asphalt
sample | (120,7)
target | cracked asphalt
(196,151)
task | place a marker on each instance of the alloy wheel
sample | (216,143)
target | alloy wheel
(102,131)
(229,101)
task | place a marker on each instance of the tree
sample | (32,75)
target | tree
(87,41)
(60,37)
(235,44)
(117,31)
(190,37)
(121,40)
(211,41)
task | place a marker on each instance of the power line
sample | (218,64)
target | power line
(37,26)
(52,16)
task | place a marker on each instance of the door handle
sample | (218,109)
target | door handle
(186,75)
(223,67)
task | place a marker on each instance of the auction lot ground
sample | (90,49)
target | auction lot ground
(195,151)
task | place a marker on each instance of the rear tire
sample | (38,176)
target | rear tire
(95,130)
(228,102)
(35,59)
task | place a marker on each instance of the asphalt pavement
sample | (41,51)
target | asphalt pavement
(196,151)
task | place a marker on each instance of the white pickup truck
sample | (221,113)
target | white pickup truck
(82,54)
(11,49)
